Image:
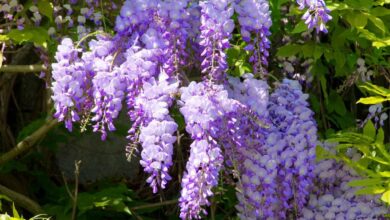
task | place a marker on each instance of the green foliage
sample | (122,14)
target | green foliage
(357,30)
(36,35)
(111,198)
(374,164)
(237,59)
(380,94)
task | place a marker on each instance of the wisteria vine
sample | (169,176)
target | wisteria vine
(266,134)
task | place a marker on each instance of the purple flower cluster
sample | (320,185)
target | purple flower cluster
(216,30)
(206,157)
(291,116)
(159,30)
(254,17)
(9,10)
(135,16)
(69,83)
(176,33)
(157,133)
(140,65)
(107,87)
(76,15)
(316,15)
(251,92)
(275,160)
(333,198)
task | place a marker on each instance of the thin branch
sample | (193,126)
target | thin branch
(23,68)
(67,187)
(76,189)
(28,142)
(135,214)
(22,200)
(154,205)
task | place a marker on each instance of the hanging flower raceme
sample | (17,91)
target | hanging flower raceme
(292,117)
(245,141)
(316,15)
(202,105)
(254,17)
(158,129)
(151,64)
(140,65)
(108,84)
(176,20)
(242,135)
(216,30)
(135,16)
(69,83)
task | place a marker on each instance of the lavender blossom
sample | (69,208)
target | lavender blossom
(158,128)
(69,83)
(251,92)
(135,15)
(205,157)
(291,116)
(216,31)
(108,86)
(316,15)
(255,21)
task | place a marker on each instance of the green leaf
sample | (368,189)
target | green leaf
(15,212)
(244,68)
(35,35)
(340,59)
(3,38)
(352,60)
(386,197)
(308,50)
(384,174)
(318,51)
(299,28)
(369,129)
(113,197)
(374,89)
(381,43)
(334,6)
(372,100)
(380,11)
(351,137)
(232,54)
(46,8)
(364,182)
(370,190)
(322,154)
(358,20)
(380,137)
(367,34)
(382,149)
(288,50)
(323,86)
(377,22)
(337,103)
(360,4)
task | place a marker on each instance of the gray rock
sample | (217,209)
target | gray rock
(100,159)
